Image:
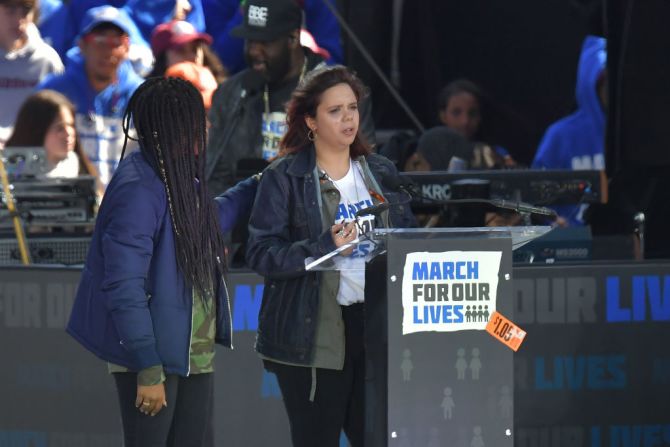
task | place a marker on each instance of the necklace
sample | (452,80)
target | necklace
(266,91)
(347,201)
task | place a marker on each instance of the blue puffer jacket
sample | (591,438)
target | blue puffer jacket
(133,306)
(286,227)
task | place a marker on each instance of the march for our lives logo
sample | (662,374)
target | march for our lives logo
(449,291)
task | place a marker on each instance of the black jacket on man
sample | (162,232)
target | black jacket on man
(236,120)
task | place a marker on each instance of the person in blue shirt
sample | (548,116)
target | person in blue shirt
(146,15)
(61,22)
(577,141)
(152,299)
(100,82)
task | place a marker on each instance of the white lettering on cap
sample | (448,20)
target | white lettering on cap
(258,15)
(182,28)
(104,14)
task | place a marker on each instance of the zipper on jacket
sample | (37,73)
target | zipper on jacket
(190,340)
(230,314)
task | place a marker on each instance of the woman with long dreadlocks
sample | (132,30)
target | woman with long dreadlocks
(152,299)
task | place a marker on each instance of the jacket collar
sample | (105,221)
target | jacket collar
(304,162)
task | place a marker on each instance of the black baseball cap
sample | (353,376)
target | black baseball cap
(266,20)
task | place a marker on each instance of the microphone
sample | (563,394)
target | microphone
(399,183)
(374,210)
(521,207)
(251,83)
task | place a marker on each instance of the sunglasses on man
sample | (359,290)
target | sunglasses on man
(104,40)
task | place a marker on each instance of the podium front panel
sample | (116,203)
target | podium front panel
(448,385)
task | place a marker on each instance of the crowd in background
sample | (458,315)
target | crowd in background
(67,70)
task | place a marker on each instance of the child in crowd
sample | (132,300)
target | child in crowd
(46,119)
(182,52)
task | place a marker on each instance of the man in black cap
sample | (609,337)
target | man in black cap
(247,115)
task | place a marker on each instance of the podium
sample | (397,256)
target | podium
(434,376)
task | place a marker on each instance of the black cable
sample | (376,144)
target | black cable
(628,17)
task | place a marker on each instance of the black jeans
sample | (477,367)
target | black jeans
(185,422)
(339,401)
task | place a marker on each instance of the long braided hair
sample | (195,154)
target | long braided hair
(169,118)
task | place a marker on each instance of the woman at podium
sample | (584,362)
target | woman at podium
(309,202)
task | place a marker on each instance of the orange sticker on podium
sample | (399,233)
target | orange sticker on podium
(505,331)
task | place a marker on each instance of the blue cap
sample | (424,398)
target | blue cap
(105,14)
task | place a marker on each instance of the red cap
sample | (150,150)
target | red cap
(201,78)
(307,40)
(175,33)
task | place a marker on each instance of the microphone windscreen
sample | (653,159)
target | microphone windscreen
(373,210)
(382,207)
(397,183)
(406,182)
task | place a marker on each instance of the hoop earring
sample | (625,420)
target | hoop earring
(311,135)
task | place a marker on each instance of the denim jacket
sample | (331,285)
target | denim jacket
(288,224)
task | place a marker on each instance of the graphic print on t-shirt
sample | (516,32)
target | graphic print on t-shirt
(346,212)
(273,129)
(354,196)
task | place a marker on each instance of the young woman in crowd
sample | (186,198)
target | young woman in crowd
(310,331)
(460,105)
(46,119)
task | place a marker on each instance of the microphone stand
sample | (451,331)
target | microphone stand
(237,110)
(517,206)
(11,207)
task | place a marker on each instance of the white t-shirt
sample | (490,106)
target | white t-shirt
(68,168)
(354,196)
